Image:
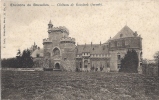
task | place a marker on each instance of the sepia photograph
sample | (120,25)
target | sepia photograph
(79,50)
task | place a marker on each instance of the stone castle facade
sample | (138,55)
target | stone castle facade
(61,53)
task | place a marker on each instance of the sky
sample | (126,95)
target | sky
(25,25)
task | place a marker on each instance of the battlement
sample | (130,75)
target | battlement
(60,28)
(47,40)
(67,39)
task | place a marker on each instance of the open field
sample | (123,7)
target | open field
(17,85)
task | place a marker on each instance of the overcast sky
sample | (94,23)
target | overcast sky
(26,25)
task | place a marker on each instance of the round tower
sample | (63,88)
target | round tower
(67,42)
(56,33)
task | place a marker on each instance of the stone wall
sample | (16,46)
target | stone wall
(68,65)
(114,61)
(41,63)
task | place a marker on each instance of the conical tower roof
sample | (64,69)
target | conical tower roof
(123,33)
(50,22)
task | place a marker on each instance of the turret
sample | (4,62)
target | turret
(50,26)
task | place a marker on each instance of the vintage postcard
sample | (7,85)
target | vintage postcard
(79,50)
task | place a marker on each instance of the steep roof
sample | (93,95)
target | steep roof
(92,48)
(37,51)
(124,32)
(107,41)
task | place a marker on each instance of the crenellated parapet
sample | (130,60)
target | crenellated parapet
(63,29)
(67,40)
(47,40)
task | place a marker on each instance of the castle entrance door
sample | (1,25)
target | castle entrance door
(57,66)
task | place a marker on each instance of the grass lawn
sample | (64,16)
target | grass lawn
(51,85)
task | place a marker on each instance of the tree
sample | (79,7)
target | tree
(23,60)
(26,59)
(9,63)
(130,62)
(19,52)
(156,57)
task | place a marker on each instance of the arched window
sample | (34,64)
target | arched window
(56,51)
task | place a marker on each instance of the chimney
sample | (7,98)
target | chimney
(91,43)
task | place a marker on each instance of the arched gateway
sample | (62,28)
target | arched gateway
(57,66)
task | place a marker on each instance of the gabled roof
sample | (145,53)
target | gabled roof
(124,32)
(92,48)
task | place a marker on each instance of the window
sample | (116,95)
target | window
(85,63)
(65,59)
(119,57)
(126,42)
(80,65)
(56,51)
(112,44)
(119,66)
(37,55)
(119,43)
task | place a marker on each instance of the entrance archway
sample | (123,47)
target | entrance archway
(57,66)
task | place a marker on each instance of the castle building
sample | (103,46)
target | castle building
(61,53)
